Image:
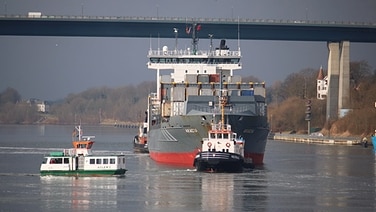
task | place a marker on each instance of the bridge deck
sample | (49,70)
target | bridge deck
(250,29)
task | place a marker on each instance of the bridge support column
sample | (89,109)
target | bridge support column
(338,96)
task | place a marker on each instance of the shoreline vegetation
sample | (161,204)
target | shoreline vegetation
(126,106)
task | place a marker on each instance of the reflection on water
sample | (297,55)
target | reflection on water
(83,193)
(217,192)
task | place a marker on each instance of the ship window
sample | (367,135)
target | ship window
(186,71)
(198,71)
(92,161)
(105,160)
(205,71)
(212,135)
(225,136)
(99,161)
(219,135)
(124,160)
(66,160)
(59,160)
(112,160)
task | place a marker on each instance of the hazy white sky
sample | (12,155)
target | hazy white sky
(52,67)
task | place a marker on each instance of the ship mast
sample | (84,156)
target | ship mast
(222,101)
(195,28)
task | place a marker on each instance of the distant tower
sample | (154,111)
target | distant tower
(322,85)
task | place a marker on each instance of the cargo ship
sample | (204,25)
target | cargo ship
(184,107)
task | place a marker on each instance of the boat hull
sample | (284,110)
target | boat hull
(118,172)
(218,162)
(179,140)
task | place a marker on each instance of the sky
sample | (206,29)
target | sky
(50,68)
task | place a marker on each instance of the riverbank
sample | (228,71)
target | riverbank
(317,139)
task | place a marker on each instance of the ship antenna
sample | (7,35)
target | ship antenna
(150,42)
(158,44)
(238,35)
(211,43)
(176,39)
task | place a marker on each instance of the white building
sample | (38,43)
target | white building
(322,85)
(43,107)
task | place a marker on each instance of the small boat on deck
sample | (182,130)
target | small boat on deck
(140,141)
(80,161)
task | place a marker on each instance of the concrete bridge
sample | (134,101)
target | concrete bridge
(337,35)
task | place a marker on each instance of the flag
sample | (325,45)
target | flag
(198,27)
(188,30)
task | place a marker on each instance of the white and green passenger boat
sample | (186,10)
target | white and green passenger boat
(79,160)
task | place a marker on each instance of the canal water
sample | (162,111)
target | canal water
(295,177)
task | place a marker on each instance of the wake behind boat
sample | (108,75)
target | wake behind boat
(181,111)
(79,160)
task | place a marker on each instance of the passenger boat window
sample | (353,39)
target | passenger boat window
(105,160)
(92,161)
(99,161)
(56,160)
(66,160)
(112,160)
(124,160)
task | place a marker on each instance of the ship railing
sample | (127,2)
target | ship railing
(227,110)
(221,126)
(190,53)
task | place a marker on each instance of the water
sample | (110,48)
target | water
(295,177)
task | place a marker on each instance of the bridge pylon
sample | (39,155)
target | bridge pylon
(338,97)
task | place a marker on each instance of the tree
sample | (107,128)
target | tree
(10,95)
